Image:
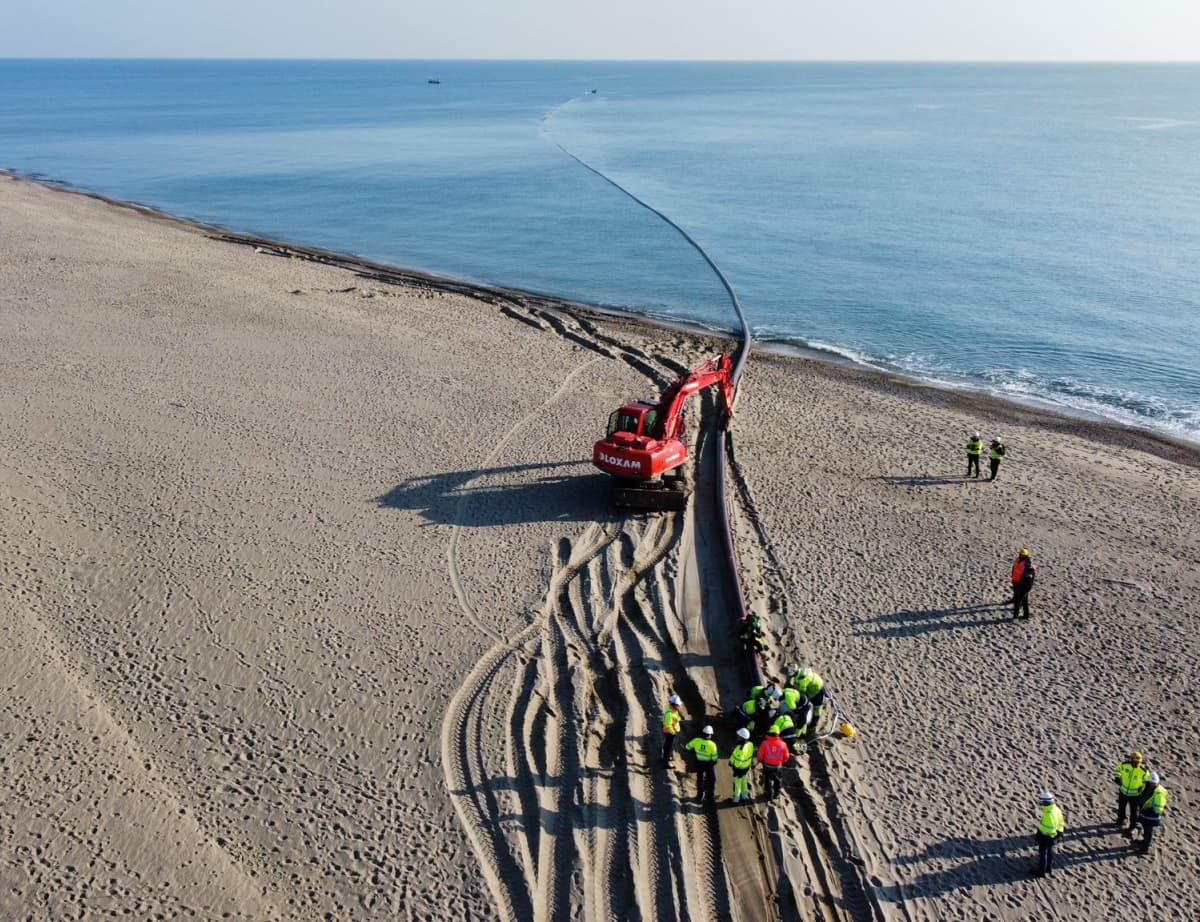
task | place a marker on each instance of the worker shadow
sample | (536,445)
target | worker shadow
(965,862)
(915,622)
(508,495)
(527,796)
(756,797)
(924,480)
(1091,844)
(527,820)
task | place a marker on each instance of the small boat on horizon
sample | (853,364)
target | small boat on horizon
(433,80)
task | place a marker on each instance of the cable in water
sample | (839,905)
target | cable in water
(737,307)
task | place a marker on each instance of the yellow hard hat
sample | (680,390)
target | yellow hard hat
(1024,552)
(847,730)
(1135,758)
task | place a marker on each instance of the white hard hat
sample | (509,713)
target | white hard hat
(675,700)
(806,672)
(1047,797)
(791,669)
(974,435)
(1154,777)
(996,439)
(707,731)
(743,733)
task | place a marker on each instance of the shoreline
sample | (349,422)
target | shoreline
(1006,409)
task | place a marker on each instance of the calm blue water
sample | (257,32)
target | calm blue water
(1030,230)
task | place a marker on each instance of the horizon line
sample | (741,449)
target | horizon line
(484,60)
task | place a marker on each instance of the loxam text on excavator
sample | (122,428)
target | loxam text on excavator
(644,449)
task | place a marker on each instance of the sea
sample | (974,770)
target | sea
(1027,230)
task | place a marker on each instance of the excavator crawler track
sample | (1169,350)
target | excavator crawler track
(650,497)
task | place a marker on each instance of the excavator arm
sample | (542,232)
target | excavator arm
(717,370)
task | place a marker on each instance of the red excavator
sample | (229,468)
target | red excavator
(644,450)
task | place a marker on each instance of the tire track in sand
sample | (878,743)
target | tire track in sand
(571,816)
(618,848)
(460,591)
(521,860)
(463,763)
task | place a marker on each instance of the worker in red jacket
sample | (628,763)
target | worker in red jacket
(1023,575)
(773,754)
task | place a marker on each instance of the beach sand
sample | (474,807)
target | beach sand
(315,607)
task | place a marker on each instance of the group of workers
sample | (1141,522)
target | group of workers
(1140,794)
(1023,570)
(784,717)
(996,452)
(772,719)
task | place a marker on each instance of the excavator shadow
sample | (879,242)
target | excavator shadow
(506,495)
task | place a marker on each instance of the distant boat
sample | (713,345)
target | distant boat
(593,92)
(436,80)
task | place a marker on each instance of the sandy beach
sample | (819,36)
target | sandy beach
(314,607)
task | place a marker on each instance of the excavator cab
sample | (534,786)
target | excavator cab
(635,418)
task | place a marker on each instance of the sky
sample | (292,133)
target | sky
(955,30)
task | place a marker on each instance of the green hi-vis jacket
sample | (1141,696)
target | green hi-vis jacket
(1132,778)
(1051,823)
(705,749)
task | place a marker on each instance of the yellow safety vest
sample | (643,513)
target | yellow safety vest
(705,749)
(1132,778)
(975,447)
(810,686)
(996,452)
(1156,803)
(782,724)
(670,720)
(1051,823)
(742,755)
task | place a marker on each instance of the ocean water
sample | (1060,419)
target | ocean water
(1029,230)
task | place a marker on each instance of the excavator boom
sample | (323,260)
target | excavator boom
(717,370)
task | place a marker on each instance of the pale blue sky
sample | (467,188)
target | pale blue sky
(964,30)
